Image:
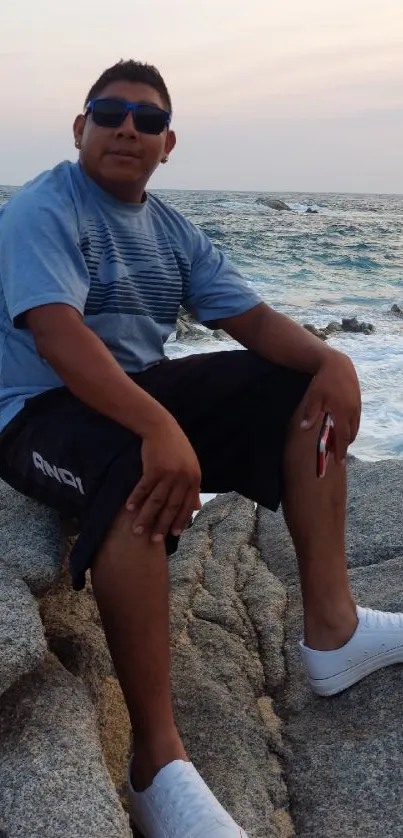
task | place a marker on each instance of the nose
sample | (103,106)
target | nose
(127,128)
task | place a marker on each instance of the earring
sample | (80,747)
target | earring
(165,159)
(77,144)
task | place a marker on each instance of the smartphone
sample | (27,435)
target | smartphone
(324,445)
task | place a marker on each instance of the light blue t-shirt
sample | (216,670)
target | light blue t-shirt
(125,267)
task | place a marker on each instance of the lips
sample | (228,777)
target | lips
(124,153)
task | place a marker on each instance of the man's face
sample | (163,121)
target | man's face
(122,159)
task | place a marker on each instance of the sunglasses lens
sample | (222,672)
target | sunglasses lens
(149,119)
(108,113)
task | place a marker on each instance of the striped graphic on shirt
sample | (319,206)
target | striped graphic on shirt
(133,274)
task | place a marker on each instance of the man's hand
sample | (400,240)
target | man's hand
(335,390)
(168,493)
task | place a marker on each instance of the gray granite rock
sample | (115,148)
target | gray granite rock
(227,638)
(343,755)
(22,638)
(30,539)
(374,530)
(53,780)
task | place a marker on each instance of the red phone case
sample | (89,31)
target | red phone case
(324,445)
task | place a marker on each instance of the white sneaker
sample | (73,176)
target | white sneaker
(178,803)
(376,642)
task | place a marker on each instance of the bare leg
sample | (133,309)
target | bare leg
(130,583)
(315,514)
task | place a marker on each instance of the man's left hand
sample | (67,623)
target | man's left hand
(335,389)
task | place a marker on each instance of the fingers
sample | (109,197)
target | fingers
(192,503)
(341,441)
(313,409)
(164,508)
(146,504)
(175,515)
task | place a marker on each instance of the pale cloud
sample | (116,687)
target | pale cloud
(269,75)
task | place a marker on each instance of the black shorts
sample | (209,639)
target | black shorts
(234,408)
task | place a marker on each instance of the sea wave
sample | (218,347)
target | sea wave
(345,260)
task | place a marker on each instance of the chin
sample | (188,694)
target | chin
(122,168)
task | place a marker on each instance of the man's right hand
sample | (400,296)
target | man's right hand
(168,492)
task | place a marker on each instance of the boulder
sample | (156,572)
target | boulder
(397,310)
(283,761)
(227,639)
(53,779)
(31,540)
(74,633)
(342,758)
(22,638)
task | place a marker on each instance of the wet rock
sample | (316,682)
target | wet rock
(189,329)
(274,203)
(314,330)
(397,310)
(219,334)
(333,327)
(347,325)
(351,324)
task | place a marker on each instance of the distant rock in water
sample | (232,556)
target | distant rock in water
(348,324)
(274,203)
(319,333)
(282,206)
(189,329)
(351,324)
(397,310)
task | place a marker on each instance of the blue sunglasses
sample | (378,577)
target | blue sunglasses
(111,113)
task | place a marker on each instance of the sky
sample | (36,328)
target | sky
(277,95)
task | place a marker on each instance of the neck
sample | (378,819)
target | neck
(128,193)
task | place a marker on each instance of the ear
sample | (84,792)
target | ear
(78,129)
(170,142)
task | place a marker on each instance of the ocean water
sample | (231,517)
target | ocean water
(343,259)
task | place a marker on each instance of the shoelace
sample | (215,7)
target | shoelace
(189,801)
(381,619)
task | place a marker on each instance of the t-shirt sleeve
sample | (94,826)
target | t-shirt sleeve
(216,289)
(40,258)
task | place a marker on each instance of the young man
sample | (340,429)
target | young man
(97,423)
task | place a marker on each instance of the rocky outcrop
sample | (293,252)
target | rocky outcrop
(189,330)
(343,755)
(348,324)
(30,539)
(274,203)
(285,762)
(57,740)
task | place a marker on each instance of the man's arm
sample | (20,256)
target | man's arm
(334,388)
(168,492)
(276,338)
(89,369)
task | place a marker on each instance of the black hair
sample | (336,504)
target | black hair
(134,71)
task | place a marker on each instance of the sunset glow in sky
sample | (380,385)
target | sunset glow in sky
(268,94)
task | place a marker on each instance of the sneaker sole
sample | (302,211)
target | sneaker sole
(337,683)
